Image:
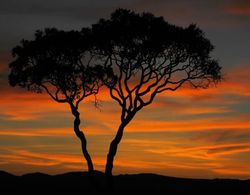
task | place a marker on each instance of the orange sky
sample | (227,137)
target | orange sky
(197,131)
(187,133)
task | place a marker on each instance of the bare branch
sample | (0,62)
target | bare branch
(55,98)
(115,97)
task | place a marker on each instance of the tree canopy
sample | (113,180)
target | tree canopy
(59,63)
(150,56)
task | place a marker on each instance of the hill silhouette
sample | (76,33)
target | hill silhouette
(78,183)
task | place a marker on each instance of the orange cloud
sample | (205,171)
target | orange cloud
(226,123)
(39,132)
(239,7)
(23,105)
(211,152)
(227,149)
(39,159)
(176,161)
(190,109)
(69,161)
(234,170)
(183,155)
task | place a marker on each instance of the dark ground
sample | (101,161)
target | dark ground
(78,183)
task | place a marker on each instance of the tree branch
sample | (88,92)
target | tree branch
(53,97)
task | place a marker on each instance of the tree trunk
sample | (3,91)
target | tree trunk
(113,149)
(82,138)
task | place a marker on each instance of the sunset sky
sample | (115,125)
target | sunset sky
(187,133)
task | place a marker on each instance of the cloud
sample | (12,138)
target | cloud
(171,157)
(36,159)
(78,12)
(233,170)
(38,132)
(207,14)
(211,123)
(215,152)
(229,149)
(184,106)
(238,8)
(66,162)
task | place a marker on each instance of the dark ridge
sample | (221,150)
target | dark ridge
(36,174)
(4,174)
(70,174)
(145,183)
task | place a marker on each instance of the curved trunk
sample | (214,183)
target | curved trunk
(82,138)
(113,149)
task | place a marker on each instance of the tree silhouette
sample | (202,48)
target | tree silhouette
(59,63)
(150,56)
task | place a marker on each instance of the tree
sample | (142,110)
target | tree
(59,63)
(150,56)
